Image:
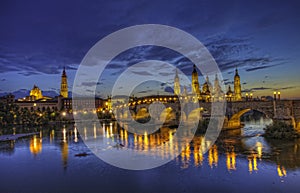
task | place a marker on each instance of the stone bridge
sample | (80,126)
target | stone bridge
(284,110)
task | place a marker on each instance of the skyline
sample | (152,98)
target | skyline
(39,39)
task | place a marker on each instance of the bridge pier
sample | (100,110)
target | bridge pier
(298,126)
(232,124)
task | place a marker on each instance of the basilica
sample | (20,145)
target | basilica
(209,92)
(36,93)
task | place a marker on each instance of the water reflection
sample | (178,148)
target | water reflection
(35,145)
(230,159)
(213,156)
(64,153)
(252,159)
(234,150)
(281,171)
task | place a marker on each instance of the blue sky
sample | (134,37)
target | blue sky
(37,39)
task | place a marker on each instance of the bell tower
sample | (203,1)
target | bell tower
(64,84)
(176,84)
(195,82)
(237,86)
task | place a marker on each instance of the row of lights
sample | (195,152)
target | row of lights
(249,96)
(276,94)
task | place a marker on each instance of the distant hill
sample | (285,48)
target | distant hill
(18,94)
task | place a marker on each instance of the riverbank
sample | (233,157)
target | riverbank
(281,130)
(16,136)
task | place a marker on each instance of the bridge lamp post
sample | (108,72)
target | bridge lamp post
(251,95)
(274,95)
(278,95)
(246,96)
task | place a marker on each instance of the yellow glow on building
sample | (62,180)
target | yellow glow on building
(36,92)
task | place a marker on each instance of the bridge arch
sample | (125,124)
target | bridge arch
(142,113)
(235,119)
(195,115)
(167,115)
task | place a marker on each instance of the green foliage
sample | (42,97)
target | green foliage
(11,114)
(281,130)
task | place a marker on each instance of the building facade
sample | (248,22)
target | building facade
(210,93)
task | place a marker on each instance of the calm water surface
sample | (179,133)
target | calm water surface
(57,160)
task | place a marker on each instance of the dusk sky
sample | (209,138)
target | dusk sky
(39,38)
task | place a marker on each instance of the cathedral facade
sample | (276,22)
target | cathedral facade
(209,92)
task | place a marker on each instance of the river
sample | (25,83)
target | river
(56,159)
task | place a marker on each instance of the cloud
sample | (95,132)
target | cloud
(257,89)
(29,73)
(169,89)
(116,65)
(259,68)
(145,91)
(32,64)
(287,88)
(31,46)
(268,88)
(166,73)
(228,82)
(143,73)
(90,84)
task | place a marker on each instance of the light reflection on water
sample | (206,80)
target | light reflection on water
(236,151)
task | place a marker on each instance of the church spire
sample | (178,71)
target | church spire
(194,69)
(237,86)
(236,72)
(176,84)
(64,72)
(64,84)
(195,82)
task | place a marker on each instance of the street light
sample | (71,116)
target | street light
(278,95)
(274,95)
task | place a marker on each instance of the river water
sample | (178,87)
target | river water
(56,159)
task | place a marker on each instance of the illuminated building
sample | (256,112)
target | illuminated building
(237,86)
(206,90)
(195,82)
(218,93)
(209,93)
(229,94)
(176,84)
(64,84)
(36,93)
